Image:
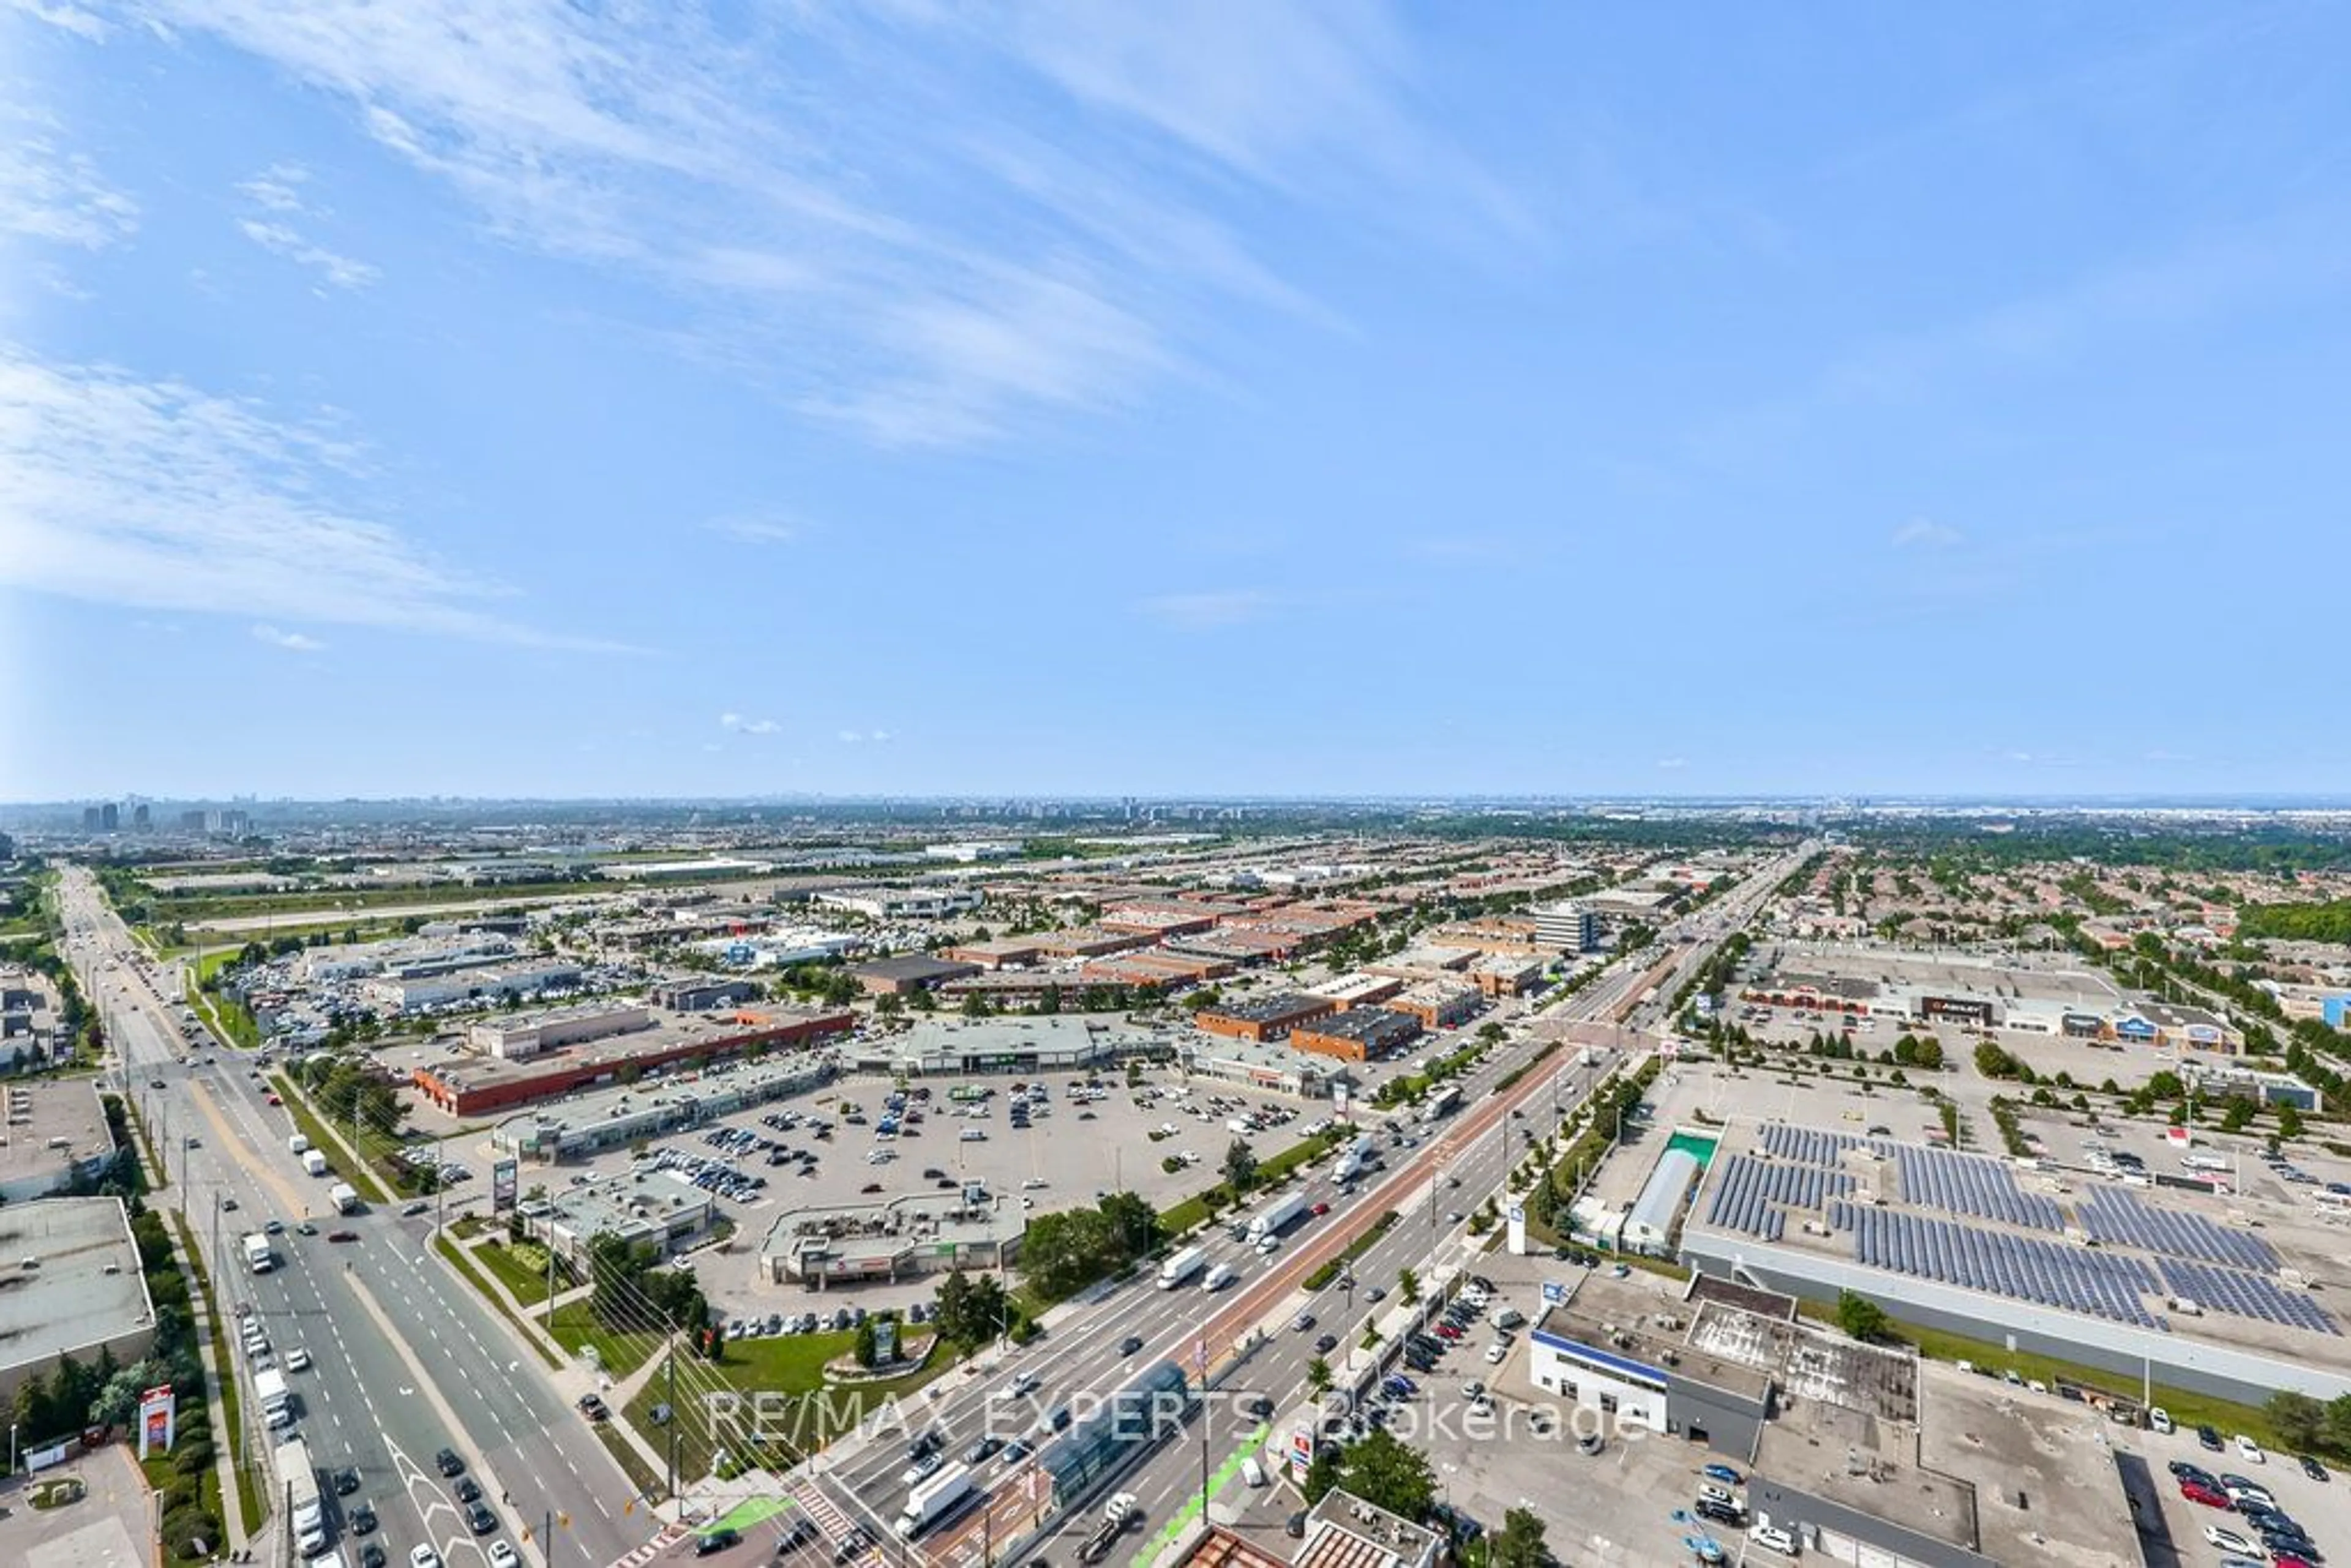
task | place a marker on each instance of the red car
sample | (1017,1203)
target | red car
(2197,1491)
(274,1100)
(1322,1209)
(1446,1330)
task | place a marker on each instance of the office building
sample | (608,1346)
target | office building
(1567,927)
(1358,1034)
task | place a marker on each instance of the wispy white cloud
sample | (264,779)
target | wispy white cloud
(50,194)
(759,528)
(1926,534)
(160,496)
(931,225)
(1208,610)
(1673,764)
(277,189)
(292,642)
(864,737)
(71,18)
(280,191)
(341,271)
(742,726)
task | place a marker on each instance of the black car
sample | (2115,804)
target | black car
(714,1540)
(2210,1439)
(371,1555)
(2311,1466)
(468,1490)
(929,1443)
(362,1520)
(347,1481)
(981,1451)
(1326,1344)
(1719,1513)
(480,1519)
(1130,1344)
(449,1464)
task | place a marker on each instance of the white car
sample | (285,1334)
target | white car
(1022,1384)
(1773,1538)
(504,1556)
(297,1360)
(2159,1418)
(2231,1541)
(1495,1353)
(423,1557)
(2250,1451)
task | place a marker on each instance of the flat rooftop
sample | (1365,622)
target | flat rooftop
(71,1300)
(2049,978)
(40,1111)
(1857,1458)
(885,1228)
(2046,1486)
(2062,1239)
(1644,1318)
(669,1033)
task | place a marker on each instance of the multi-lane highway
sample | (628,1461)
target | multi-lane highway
(1449,1169)
(405,1359)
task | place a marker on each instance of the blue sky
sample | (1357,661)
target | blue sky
(475,397)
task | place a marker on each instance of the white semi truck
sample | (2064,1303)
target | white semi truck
(1182,1267)
(934,1501)
(1278,1217)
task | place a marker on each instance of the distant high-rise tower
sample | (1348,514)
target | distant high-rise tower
(109,818)
(141,818)
(89,819)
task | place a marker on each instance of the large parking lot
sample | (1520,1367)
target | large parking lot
(1058,1141)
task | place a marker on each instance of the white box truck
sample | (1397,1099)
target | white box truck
(269,1387)
(1182,1267)
(934,1501)
(1277,1216)
(298,1483)
(258,1254)
(314,1162)
(297,1144)
(345,1198)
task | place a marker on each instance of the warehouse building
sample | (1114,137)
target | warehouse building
(1499,975)
(998,953)
(56,1135)
(72,1287)
(920,1233)
(1438,1004)
(904,902)
(525,1035)
(472,1085)
(1051,1043)
(469,985)
(1262,1019)
(587,1125)
(660,1209)
(907,973)
(1358,1034)
(702,995)
(1972,1245)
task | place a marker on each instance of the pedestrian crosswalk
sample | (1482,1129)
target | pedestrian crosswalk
(669,1536)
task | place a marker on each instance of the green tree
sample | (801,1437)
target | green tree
(2299,1420)
(889,1004)
(2164,1086)
(1862,1318)
(867,1336)
(1407,1287)
(974,1005)
(1386,1474)
(1322,1474)
(2338,1422)
(2239,1114)
(1317,1377)
(1519,1542)
(2289,1122)
(1492,1033)
(1240,1166)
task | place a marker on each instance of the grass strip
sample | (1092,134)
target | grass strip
(464,1266)
(311,1125)
(248,1493)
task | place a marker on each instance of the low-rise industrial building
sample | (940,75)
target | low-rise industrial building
(904,902)
(472,1085)
(521,1036)
(56,1135)
(660,1209)
(1438,1004)
(1053,1043)
(1499,975)
(588,1124)
(1262,1019)
(1275,1069)
(998,952)
(701,995)
(469,985)
(920,1233)
(908,973)
(70,1285)
(1358,988)
(1358,1034)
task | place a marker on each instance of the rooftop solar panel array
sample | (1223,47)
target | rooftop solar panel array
(2246,1295)
(2051,1273)
(1972,1184)
(1808,1145)
(1752,1195)
(2116,1215)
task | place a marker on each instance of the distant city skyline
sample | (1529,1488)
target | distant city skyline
(1266,400)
